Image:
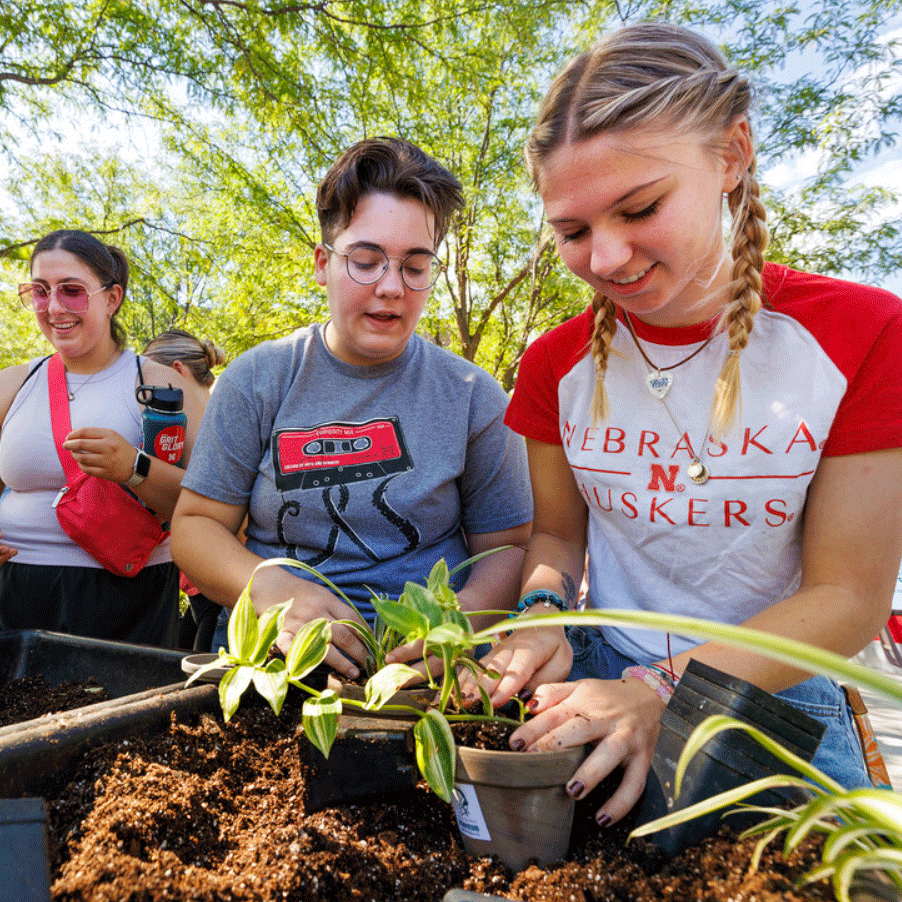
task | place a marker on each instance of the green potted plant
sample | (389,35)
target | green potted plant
(492,791)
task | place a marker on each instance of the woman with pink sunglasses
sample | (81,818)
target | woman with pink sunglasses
(47,581)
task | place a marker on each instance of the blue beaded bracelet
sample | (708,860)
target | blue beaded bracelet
(543,597)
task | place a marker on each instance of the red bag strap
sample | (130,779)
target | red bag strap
(60,420)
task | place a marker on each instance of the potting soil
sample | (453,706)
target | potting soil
(214,812)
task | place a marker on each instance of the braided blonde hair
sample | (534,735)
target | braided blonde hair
(660,76)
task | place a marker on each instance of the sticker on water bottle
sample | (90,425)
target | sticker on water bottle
(169,444)
(470,820)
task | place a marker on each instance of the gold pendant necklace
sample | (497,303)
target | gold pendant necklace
(659,382)
(72,393)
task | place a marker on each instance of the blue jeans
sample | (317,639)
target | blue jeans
(839,754)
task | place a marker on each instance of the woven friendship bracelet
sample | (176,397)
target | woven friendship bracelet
(543,597)
(654,680)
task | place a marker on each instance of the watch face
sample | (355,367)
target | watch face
(142,464)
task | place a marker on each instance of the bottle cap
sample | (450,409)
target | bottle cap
(156,397)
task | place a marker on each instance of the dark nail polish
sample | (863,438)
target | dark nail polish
(532,704)
(602,819)
(575,789)
(517,744)
(525,695)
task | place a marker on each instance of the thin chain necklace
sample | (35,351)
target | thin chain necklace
(660,379)
(659,382)
(70,393)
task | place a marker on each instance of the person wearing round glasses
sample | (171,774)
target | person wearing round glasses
(356,446)
(47,581)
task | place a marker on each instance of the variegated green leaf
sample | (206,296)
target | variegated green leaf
(436,755)
(268,627)
(320,719)
(438,576)
(408,621)
(271,682)
(231,688)
(242,629)
(386,682)
(224,660)
(308,648)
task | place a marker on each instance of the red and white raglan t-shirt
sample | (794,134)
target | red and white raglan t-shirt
(820,375)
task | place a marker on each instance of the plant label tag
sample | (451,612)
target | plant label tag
(470,820)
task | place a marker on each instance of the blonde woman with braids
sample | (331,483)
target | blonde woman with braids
(721,434)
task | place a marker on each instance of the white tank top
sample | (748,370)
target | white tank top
(31,469)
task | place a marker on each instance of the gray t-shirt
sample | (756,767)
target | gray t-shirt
(369,474)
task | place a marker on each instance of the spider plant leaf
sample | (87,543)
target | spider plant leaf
(811,814)
(320,719)
(841,837)
(718,723)
(716,802)
(308,648)
(477,557)
(271,682)
(880,807)
(761,845)
(231,688)
(386,682)
(436,754)
(847,867)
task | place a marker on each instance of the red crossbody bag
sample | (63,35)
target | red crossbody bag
(97,514)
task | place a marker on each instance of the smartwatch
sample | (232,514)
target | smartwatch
(140,469)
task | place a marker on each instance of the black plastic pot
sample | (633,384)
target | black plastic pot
(24,875)
(729,760)
(370,757)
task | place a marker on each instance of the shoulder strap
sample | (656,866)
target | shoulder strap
(140,374)
(59,414)
(34,369)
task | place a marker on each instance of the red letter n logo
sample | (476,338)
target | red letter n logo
(661,480)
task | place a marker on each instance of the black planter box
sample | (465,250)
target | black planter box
(121,668)
(145,686)
(729,760)
(24,873)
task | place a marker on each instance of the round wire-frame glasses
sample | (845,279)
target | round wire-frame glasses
(367,264)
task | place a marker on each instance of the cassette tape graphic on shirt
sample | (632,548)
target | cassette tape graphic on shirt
(339,453)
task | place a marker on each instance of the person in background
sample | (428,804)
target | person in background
(355,445)
(193,360)
(721,433)
(47,581)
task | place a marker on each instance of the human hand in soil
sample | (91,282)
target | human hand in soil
(525,660)
(621,718)
(101,452)
(6,552)
(273,585)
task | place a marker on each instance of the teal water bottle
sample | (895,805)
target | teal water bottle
(163,422)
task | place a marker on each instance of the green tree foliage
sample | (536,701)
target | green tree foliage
(227,114)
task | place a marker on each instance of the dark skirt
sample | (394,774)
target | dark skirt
(92,602)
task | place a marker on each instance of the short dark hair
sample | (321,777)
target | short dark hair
(393,166)
(108,263)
